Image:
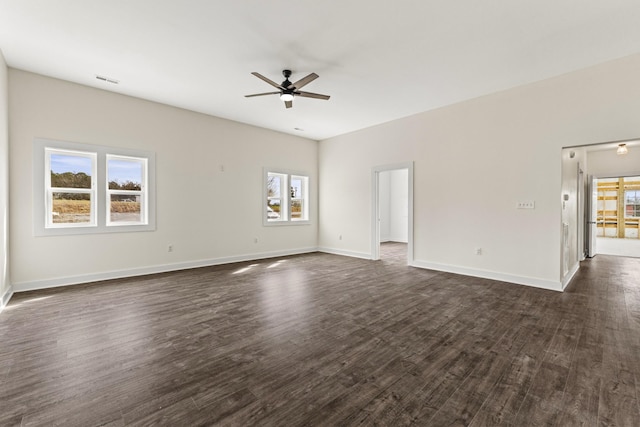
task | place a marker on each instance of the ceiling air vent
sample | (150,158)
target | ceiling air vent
(107,79)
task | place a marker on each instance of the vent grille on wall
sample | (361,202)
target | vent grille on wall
(107,79)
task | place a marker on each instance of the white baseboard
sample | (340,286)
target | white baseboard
(4,299)
(397,239)
(342,252)
(118,274)
(503,277)
(570,275)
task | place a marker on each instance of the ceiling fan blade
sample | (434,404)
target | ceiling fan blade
(271,82)
(311,95)
(261,94)
(303,81)
(288,104)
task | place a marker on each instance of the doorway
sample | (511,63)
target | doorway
(607,195)
(392,211)
(616,216)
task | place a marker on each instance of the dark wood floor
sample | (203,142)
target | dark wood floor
(325,340)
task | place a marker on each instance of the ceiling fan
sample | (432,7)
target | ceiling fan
(288,90)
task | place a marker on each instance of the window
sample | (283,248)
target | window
(298,191)
(126,183)
(70,188)
(276,197)
(287,198)
(82,188)
(632,203)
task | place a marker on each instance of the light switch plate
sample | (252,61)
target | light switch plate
(526,204)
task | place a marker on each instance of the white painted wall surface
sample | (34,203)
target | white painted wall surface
(394,203)
(384,199)
(606,163)
(473,162)
(398,206)
(5,284)
(208,215)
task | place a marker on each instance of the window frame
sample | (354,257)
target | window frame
(50,190)
(304,199)
(41,189)
(285,196)
(636,205)
(142,193)
(282,198)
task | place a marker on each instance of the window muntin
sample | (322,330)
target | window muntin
(70,188)
(126,190)
(286,198)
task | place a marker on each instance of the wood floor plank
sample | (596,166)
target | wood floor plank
(505,399)
(319,339)
(464,403)
(582,391)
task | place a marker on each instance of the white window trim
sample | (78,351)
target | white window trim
(304,198)
(144,208)
(286,198)
(92,191)
(284,211)
(40,226)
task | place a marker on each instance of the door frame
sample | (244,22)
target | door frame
(375,208)
(592,208)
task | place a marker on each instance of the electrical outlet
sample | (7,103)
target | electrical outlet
(478,251)
(170,248)
(526,204)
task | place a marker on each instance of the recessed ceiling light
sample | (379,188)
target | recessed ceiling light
(107,79)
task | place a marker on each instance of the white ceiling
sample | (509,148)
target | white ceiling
(378,59)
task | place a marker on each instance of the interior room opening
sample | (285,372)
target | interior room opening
(600,201)
(392,213)
(617,215)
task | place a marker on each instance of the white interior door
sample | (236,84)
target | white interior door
(592,229)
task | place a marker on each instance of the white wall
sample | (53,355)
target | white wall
(394,204)
(606,163)
(208,215)
(399,206)
(384,199)
(476,160)
(5,285)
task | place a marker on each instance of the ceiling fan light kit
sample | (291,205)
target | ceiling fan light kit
(287,90)
(286,96)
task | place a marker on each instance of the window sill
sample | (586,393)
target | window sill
(285,223)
